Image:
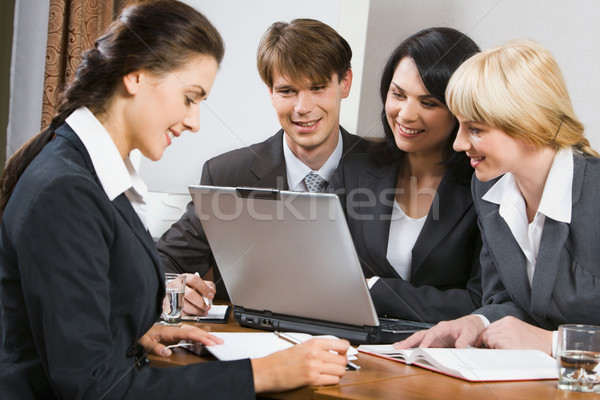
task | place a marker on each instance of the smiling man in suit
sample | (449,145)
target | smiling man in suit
(306,67)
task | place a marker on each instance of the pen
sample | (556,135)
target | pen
(350,365)
(207,301)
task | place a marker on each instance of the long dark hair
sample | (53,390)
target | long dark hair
(437,52)
(158,36)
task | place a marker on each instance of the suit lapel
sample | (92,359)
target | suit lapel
(450,204)
(351,143)
(507,253)
(126,210)
(376,226)
(124,207)
(554,238)
(269,166)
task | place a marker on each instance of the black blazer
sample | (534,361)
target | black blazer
(445,272)
(80,283)
(184,247)
(565,287)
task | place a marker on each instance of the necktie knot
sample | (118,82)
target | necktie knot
(314,182)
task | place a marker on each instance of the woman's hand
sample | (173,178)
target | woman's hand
(461,332)
(512,333)
(314,362)
(155,340)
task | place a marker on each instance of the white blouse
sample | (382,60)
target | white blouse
(404,232)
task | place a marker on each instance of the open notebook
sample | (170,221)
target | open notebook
(474,364)
(288,262)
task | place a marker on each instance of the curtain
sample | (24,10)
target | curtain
(73,27)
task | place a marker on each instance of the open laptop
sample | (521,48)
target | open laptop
(288,262)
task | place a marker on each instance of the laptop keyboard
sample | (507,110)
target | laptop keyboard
(402,325)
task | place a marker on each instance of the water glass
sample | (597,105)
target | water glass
(173,301)
(578,356)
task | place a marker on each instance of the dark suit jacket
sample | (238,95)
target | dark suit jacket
(565,287)
(80,282)
(184,247)
(445,281)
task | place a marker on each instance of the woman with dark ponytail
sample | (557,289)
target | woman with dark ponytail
(81,283)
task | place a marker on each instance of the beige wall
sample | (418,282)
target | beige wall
(570,30)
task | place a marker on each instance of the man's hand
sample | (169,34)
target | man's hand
(195,291)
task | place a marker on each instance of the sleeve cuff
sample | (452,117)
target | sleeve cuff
(486,322)
(371,281)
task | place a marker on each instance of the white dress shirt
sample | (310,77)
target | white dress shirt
(556,203)
(116,175)
(297,170)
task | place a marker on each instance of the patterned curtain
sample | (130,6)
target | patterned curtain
(73,27)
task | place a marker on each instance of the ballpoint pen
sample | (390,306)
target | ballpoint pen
(350,365)
(207,301)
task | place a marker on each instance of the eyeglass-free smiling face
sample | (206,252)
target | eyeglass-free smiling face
(492,152)
(309,112)
(161,107)
(420,122)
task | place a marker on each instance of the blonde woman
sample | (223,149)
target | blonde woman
(536,193)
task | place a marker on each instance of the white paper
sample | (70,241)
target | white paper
(240,345)
(215,312)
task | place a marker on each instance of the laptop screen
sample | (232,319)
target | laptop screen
(285,252)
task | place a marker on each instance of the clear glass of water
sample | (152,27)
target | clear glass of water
(578,356)
(173,301)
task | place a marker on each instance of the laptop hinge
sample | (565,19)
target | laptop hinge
(258,193)
(266,320)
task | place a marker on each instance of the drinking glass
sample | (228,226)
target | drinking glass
(578,356)
(173,301)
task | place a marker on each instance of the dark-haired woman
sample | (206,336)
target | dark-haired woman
(81,283)
(408,203)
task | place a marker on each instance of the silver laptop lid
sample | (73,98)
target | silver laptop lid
(285,252)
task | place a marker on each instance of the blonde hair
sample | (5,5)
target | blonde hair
(518,87)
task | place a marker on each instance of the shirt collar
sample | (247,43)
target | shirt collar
(116,175)
(297,170)
(556,199)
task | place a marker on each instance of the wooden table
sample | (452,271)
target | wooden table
(384,379)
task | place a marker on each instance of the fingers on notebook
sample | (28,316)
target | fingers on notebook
(413,340)
(460,333)
(188,332)
(512,333)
